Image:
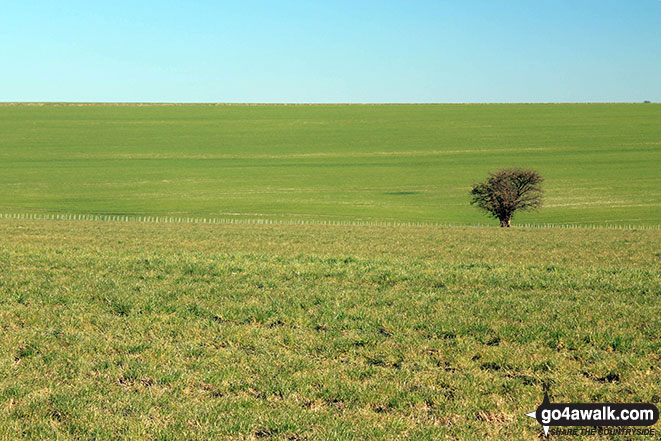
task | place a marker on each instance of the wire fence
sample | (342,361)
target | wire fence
(265,221)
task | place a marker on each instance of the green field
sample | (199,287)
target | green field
(340,162)
(185,331)
(381,324)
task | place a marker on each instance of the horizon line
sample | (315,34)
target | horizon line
(220,103)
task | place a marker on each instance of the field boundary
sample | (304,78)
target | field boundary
(266,221)
(284,104)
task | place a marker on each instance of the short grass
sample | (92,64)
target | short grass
(170,332)
(360,162)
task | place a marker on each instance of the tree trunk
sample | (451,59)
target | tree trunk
(505,222)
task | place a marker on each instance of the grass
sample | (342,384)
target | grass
(293,332)
(383,331)
(399,163)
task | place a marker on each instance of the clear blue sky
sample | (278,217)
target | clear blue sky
(331,51)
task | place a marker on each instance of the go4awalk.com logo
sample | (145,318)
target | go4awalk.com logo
(596,418)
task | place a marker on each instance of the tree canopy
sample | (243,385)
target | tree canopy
(507,191)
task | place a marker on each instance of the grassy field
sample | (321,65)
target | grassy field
(370,162)
(169,332)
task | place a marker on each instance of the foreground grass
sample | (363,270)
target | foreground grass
(148,331)
(394,162)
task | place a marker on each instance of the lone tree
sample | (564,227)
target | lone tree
(507,191)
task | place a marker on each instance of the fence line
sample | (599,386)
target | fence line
(254,221)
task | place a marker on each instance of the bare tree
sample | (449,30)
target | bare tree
(507,191)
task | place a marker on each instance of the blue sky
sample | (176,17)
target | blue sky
(331,51)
